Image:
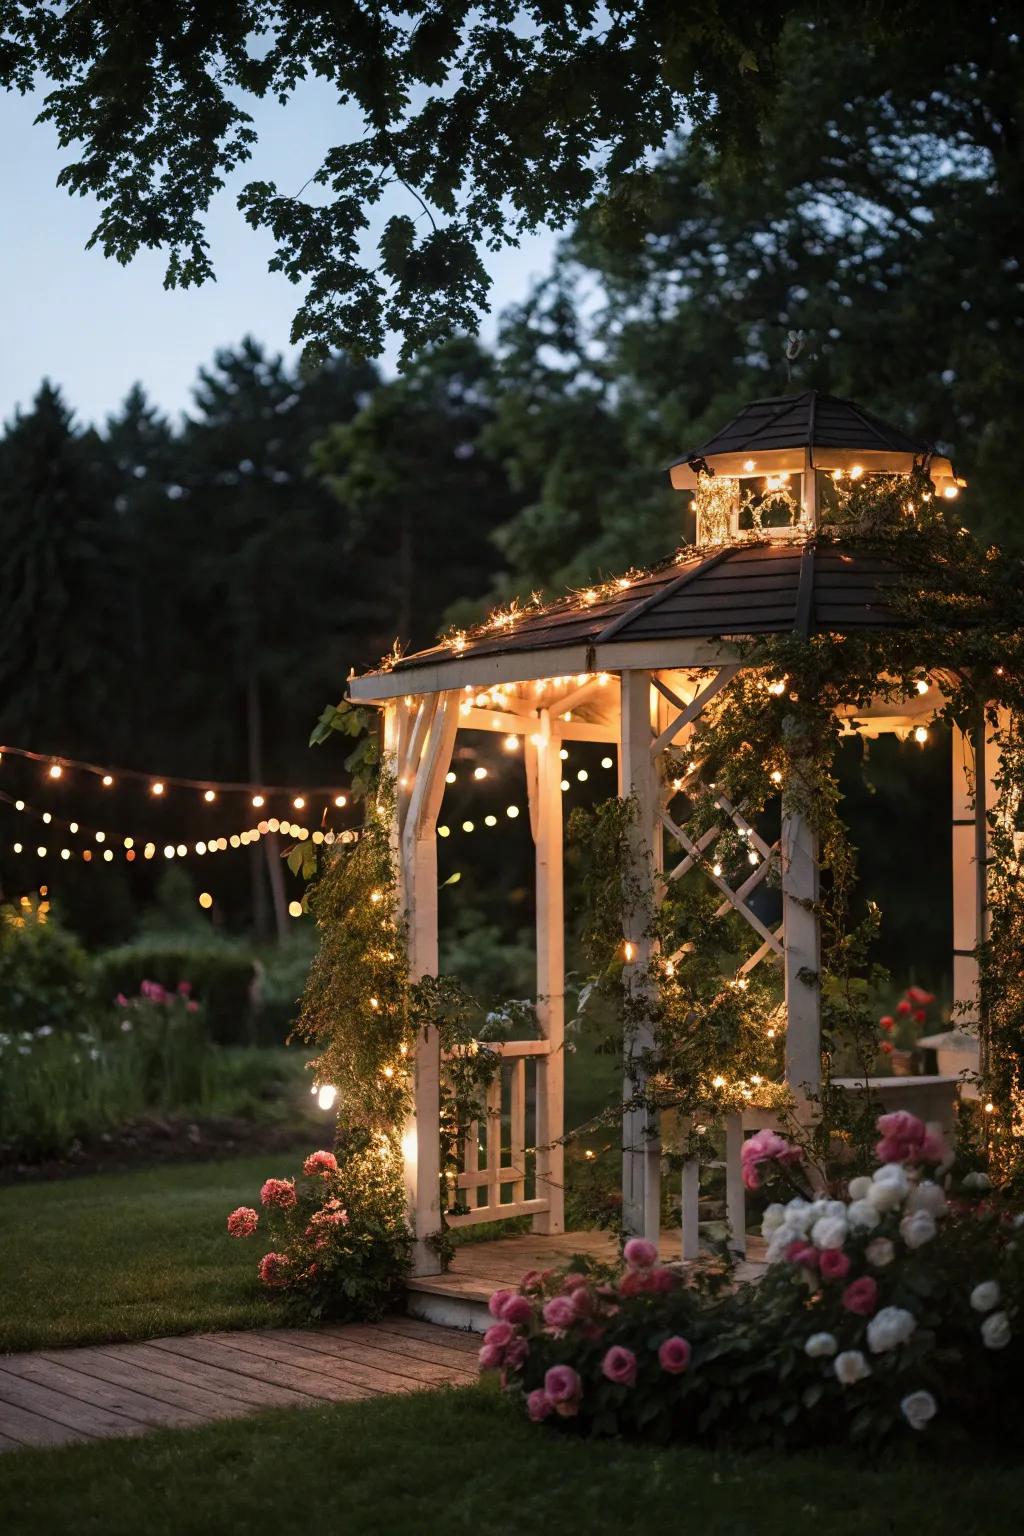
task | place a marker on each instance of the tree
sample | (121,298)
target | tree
(492,118)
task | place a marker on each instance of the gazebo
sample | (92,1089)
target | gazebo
(633,663)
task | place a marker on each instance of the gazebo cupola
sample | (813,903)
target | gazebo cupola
(760,476)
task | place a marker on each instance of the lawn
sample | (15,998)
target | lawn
(130,1256)
(463,1461)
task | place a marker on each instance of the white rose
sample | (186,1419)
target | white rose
(919,1409)
(977,1181)
(862,1216)
(799,1214)
(820,1345)
(927,1196)
(995,1331)
(859,1188)
(780,1241)
(851,1367)
(889,1186)
(1018,1220)
(772,1219)
(985,1296)
(829,1232)
(918,1229)
(889,1328)
(880,1252)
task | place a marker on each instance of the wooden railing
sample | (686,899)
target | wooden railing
(498,1175)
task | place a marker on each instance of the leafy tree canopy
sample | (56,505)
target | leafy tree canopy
(495,117)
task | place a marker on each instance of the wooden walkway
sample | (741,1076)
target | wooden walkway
(53,1397)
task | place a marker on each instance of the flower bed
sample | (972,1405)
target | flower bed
(891,1310)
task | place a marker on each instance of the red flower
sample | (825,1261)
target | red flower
(323,1163)
(835,1264)
(279,1192)
(861,1296)
(243,1221)
(799,1252)
(919,996)
(274,1269)
(920,1016)
(903,1008)
(184,989)
(886,1047)
(887,1021)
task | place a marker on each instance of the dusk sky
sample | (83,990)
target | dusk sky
(95,327)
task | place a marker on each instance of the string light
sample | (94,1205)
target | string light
(326,1096)
(55,770)
(205,900)
(468,826)
(921,735)
(606,762)
(511,743)
(480,772)
(257,801)
(158,784)
(107,780)
(157,787)
(512,811)
(295,910)
(209,796)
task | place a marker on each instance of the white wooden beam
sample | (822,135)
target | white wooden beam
(802,952)
(544,784)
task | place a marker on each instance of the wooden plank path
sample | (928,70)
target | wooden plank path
(55,1397)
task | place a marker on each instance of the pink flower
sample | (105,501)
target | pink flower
(275,1269)
(619,1365)
(562,1384)
(834,1264)
(661,1280)
(903,1136)
(538,1405)
(496,1305)
(121,1000)
(323,1163)
(184,989)
(573,1281)
(531,1281)
(861,1296)
(674,1355)
(192,1007)
(279,1192)
(903,1008)
(490,1357)
(517,1310)
(887,1022)
(243,1222)
(499,1334)
(582,1301)
(799,1252)
(559,1312)
(516,1353)
(154,991)
(933,1148)
(919,996)
(766,1147)
(639,1253)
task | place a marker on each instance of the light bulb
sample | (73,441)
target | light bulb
(468,826)
(340,800)
(209,796)
(107,780)
(205,900)
(295,910)
(181,850)
(512,811)
(299,803)
(921,735)
(257,801)
(156,788)
(922,685)
(55,770)
(444,831)
(583,775)
(606,762)
(511,743)
(326,1096)
(480,773)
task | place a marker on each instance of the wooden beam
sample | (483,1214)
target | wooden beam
(546,816)
(802,952)
(695,707)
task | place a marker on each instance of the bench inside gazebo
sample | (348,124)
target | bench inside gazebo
(632,663)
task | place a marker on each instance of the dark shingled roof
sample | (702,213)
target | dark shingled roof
(807,420)
(742,589)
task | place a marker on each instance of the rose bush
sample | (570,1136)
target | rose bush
(339,1236)
(895,1310)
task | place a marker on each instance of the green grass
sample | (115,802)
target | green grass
(465,1462)
(130,1256)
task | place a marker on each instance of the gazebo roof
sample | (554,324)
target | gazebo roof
(750,588)
(808,430)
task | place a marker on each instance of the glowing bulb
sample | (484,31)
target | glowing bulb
(511,743)
(47,817)
(156,788)
(376,897)
(299,803)
(449,777)
(295,910)
(749,466)
(856,471)
(389,1072)
(107,780)
(55,770)
(205,900)
(776,776)
(200,848)
(951,492)
(583,775)
(444,831)
(73,826)
(210,796)
(101,837)
(922,685)
(257,801)
(65,853)
(19,805)
(468,826)
(629,950)
(326,1096)
(512,811)
(752,857)
(340,800)
(480,773)
(837,474)
(17,847)
(921,734)
(129,842)
(41,852)
(235,840)
(490,821)
(716,870)
(606,762)
(990,1108)
(149,851)
(181,850)
(718,1082)
(565,784)
(563,754)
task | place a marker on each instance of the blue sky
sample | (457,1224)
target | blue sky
(95,327)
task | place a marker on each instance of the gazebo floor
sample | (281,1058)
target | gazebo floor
(459,1298)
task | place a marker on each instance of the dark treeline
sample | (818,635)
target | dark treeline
(185,598)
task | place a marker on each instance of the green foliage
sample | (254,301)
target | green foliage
(223,977)
(46,978)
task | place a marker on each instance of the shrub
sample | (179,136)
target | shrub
(341,1244)
(223,979)
(46,978)
(889,1312)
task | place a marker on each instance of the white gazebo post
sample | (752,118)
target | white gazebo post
(802,954)
(641,1148)
(544,784)
(421,738)
(975,766)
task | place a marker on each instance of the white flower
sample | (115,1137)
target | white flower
(889,1328)
(799,1214)
(985,1296)
(772,1219)
(995,1331)
(860,1188)
(863,1216)
(879,1252)
(823,1207)
(927,1196)
(918,1229)
(43,1031)
(978,1181)
(126,1026)
(851,1367)
(829,1232)
(889,1186)
(919,1409)
(820,1345)
(780,1241)
(1018,1220)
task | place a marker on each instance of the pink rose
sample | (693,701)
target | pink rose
(499,1334)
(243,1222)
(516,1353)
(582,1301)
(496,1305)
(322,1163)
(674,1355)
(562,1384)
(633,1283)
(279,1192)
(619,1365)
(490,1357)
(275,1269)
(799,1252)
(516,1310)
(573,1281)
(184,989)
(539,1405)
(903,1136)
(121,1000)
(531,1281)
(934,1148)
(559,1312)
(766,1147)
(639,1253)
(191,1007)
(834,1264)
(661,1280)
(861,1296)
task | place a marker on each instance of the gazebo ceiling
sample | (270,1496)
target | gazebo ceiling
(740,589)
(790,433)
